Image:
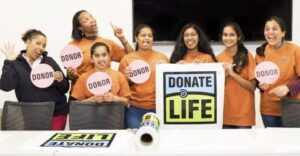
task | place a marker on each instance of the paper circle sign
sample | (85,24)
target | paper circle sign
(140,71)
(99,83)
(42,76)
(71,56)
(267,72)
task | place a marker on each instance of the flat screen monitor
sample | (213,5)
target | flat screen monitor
(167,17)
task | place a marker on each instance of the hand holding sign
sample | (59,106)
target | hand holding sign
(267,72)
(99,83)
(72,73)
(197,61)
(228,67)
(58,76)
(71,56)
(140,71)
(42,76)
(264,86)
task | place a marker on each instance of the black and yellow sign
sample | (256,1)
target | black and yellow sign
(190,97)
(80,140)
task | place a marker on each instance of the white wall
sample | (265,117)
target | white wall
(296,22)
(54,18)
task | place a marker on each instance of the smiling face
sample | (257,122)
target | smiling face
(101,58)
(273,33)
(191,38)
(88,24)
(144,39)
(35,47)
(229,37)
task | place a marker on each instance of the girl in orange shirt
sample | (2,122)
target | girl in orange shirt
(85,34)
(239,67)
(101,61)
(192,46)
(142,99)
(287,57)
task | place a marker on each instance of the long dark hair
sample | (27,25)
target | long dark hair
(240,59)
(138,31)
(180,48)
(260,51)
(77,34)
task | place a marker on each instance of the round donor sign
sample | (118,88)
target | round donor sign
(140,71)
(99,83)
(71,56)
(267,72)
(42,76)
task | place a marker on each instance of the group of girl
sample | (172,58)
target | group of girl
(191,46)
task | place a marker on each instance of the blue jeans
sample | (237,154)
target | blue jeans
(134,116)
(272,121)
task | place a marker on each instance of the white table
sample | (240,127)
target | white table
(255,142)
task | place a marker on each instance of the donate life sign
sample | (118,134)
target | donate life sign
(190,95)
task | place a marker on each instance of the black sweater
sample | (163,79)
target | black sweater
(16,75)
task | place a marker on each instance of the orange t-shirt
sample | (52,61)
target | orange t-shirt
(191,57)
(287,58)
(239,107)
(143,95)
(119,85)
(116,52)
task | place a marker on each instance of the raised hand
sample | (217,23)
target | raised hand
(118,32)
(120,35)
(8,51)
